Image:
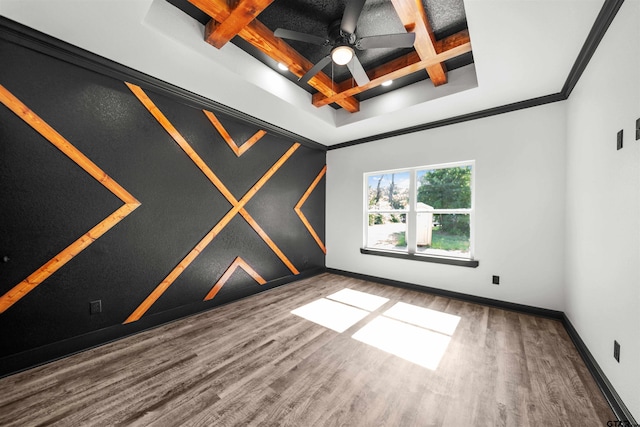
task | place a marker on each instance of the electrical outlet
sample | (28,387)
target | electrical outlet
(495,280)
(619,139)
(95,307)
(616,350)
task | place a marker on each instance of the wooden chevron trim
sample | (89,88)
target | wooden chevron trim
(303,218)
(237,205)
(238,150)
(237,263)
(55,263)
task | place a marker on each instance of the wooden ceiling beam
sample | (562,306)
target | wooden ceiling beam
(454,40)
(414,19)
(263,39)
(245,11)
(448,48)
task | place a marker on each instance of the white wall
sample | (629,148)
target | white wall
(520,158)
(603,205)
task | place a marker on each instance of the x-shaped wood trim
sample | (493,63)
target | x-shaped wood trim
(237,205)
(237,263)
(53,265)
(263,39)
(238,150)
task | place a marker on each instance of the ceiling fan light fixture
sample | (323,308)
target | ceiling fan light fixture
(387,83)
(282,66)
(341,55)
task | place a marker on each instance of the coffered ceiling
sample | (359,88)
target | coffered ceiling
(441,42)
(519,50)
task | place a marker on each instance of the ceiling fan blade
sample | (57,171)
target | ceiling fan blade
(315,69)
(387,41)
(302,37)
(357,71)
(350,17)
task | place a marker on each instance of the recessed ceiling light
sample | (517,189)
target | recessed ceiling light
(282,66)
(387,83)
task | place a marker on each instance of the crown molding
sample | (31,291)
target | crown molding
(598,30)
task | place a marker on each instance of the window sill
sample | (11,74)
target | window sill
(425,258)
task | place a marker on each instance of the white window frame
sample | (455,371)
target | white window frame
(412,211)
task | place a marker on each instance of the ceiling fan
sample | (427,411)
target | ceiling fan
(342,39)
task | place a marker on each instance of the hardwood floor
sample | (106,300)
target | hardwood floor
(253,362)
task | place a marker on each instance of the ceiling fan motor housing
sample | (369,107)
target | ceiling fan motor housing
(338,37)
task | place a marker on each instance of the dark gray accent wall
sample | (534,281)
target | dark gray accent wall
(48,201)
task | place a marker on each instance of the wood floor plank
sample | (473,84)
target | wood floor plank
(255,363)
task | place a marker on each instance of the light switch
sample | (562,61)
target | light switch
(619,140)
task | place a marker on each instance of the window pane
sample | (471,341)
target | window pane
(388,191)
(387,231)
(447,188)
(443,234)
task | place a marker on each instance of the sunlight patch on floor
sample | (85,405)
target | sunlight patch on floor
(417,334)
(359,299)
(331,314)
(424,317)
(412,343)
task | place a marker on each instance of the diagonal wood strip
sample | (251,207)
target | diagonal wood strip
(177,137)
(244,12)
(54,264)
(178,269)
(32,119)
(58,261)
(268,241)
(263,39)
(303,218)
(238,150)
(238,205)
(238,262)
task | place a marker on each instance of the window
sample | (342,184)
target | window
(424,212)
